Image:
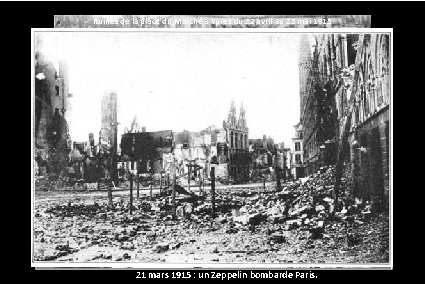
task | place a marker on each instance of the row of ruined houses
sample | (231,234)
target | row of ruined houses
(345,79)
(235,157)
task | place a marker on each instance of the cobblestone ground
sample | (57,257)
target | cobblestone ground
(79,227)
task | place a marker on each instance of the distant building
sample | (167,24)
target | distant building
(297,153)
(226,147)
(262,152)
(286,161)
(148,152)
(109,119)
(108,132)
(236,130)
(202,148)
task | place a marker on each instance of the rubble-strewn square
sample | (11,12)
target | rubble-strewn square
(159,147)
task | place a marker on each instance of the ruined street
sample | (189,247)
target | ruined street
(252,225)
(280,151)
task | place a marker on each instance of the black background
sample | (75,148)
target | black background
(19,17)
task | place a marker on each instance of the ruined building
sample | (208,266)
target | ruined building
(262,152)
(51,132)
(349,80)
(320,66)
(108,131)
(225,147)
(109,118)
(369,137)
(147,152)
(297,153)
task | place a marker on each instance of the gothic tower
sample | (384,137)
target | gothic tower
(304,64)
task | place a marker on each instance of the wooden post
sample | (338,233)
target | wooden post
(131,193)
(174,197)
(200,183)
(110,194)
(138,184)
(150,191)
(277,171)
(188,177)
(160,184)
(213,191)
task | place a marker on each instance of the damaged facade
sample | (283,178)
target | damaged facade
(51,132)
(318,78)
(347,77)
(263,152)
(201,148)
(146,151)
(369,134)
(108,132)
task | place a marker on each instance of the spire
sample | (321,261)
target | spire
(232,107)
(231,119)
(242,121)
(134,125)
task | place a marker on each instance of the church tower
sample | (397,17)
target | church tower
(304,65)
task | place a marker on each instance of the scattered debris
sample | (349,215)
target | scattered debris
(251,222)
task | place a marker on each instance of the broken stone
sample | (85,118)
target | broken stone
(292,224)
(150,234)
(320,208)
(277,238)
(161,247)
(222,219)
(128,246)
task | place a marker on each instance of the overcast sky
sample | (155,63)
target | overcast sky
(180,81)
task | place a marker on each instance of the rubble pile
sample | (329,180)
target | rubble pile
(308,203)
(70,210)
(299,221)
(50,182)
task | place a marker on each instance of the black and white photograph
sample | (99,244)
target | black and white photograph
(206,147)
